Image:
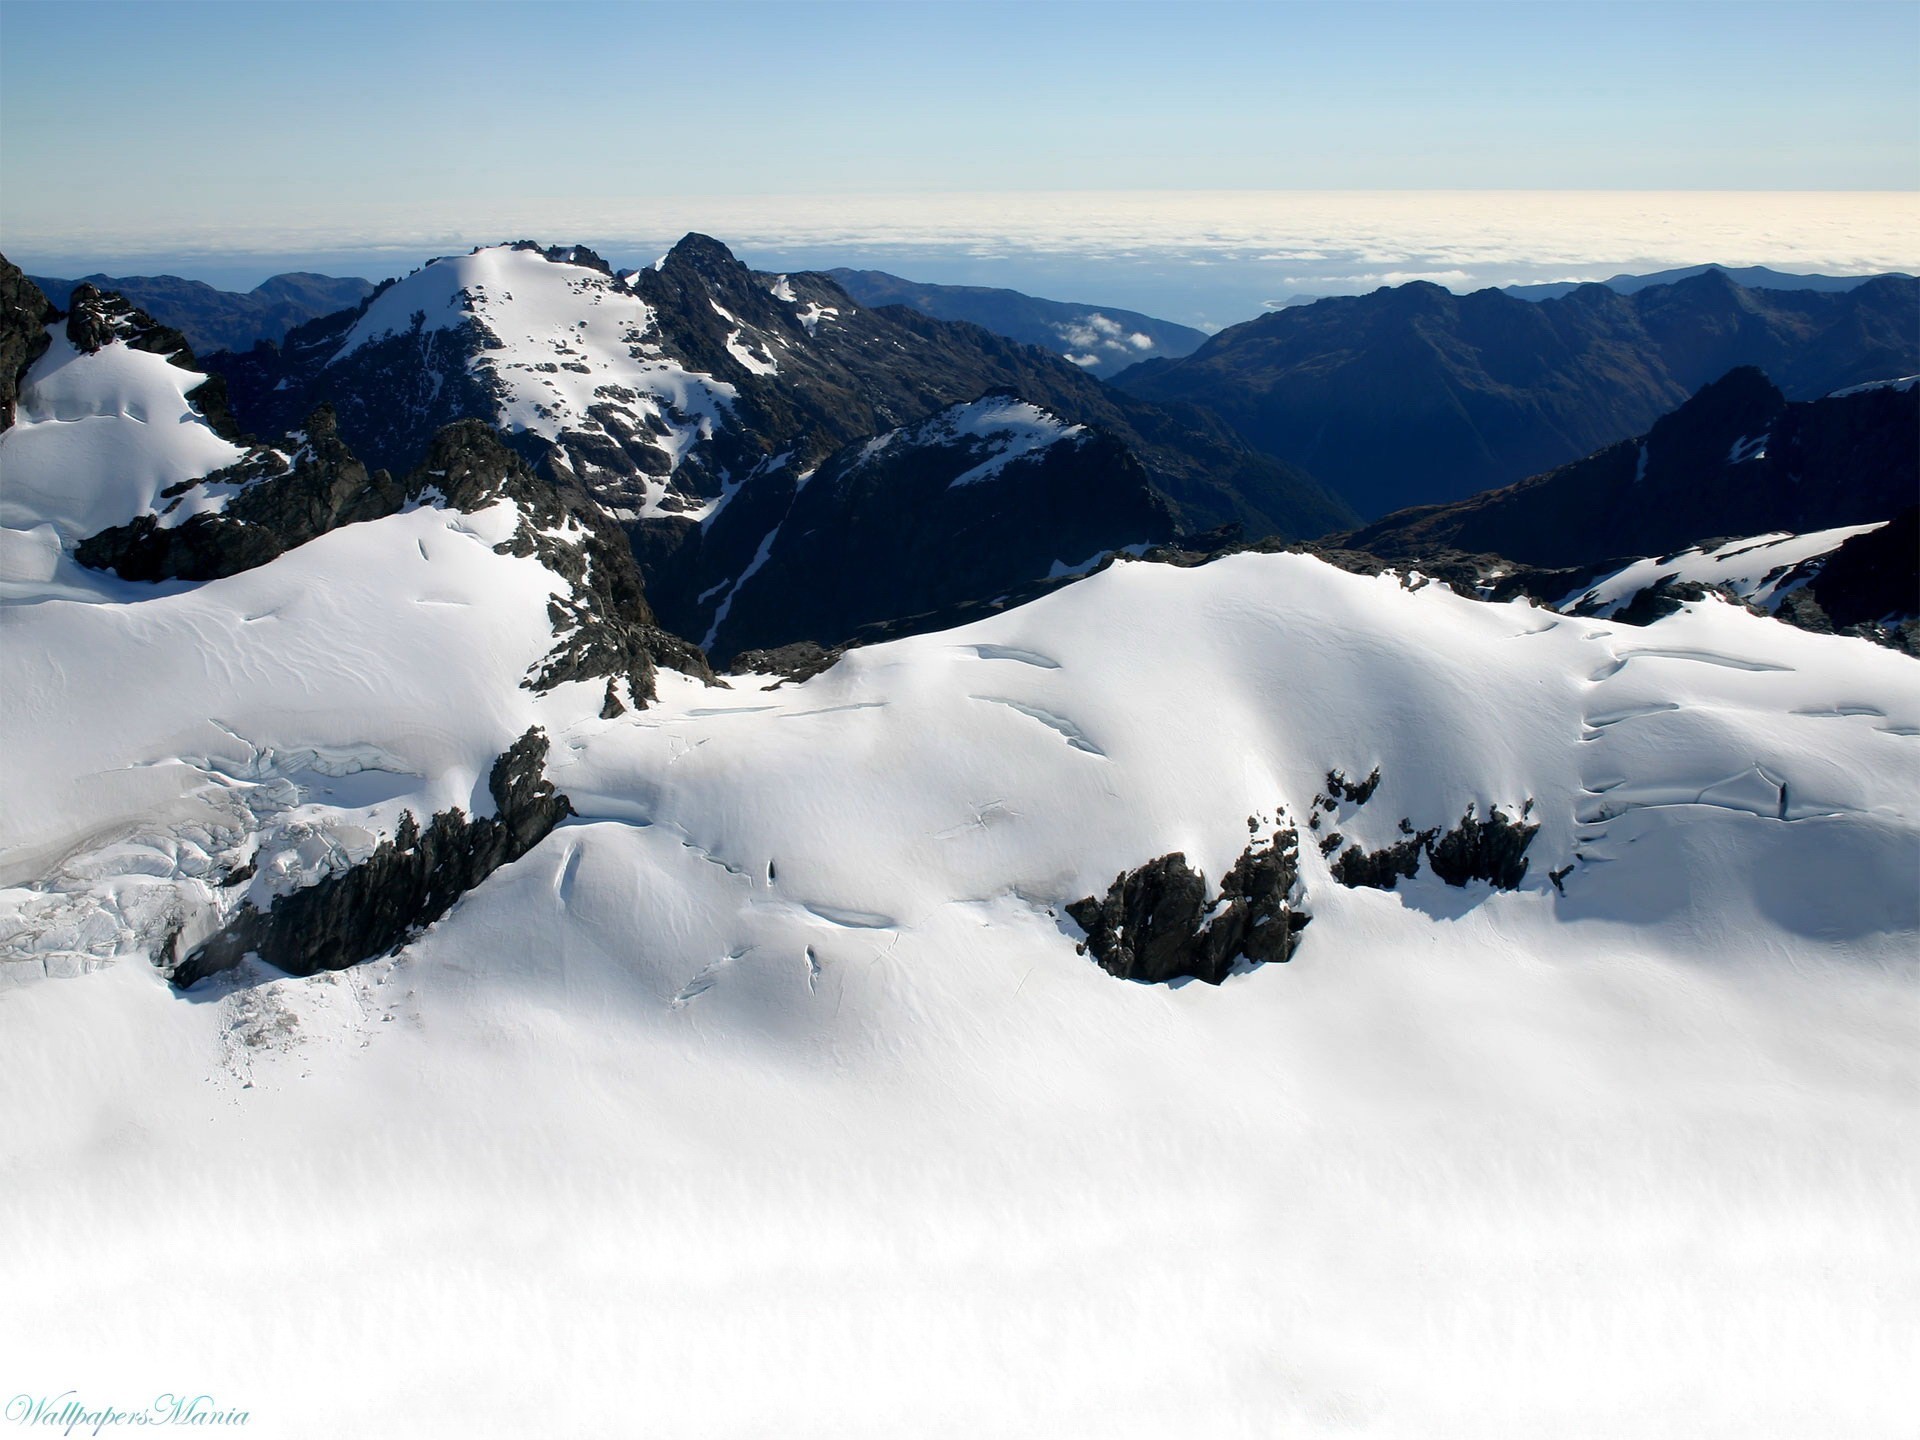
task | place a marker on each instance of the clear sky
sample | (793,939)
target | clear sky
(146,126)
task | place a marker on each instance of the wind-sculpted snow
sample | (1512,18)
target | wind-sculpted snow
(99,436)
(780,1054)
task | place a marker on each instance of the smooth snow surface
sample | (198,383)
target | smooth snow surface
(1757,569)
(770,1097)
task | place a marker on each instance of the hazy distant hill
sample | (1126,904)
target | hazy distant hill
(1098,338)
(224,319)
(1755,277)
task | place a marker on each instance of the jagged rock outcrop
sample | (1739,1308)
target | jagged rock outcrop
(1384,868)
(1354,792)
(24,316)
(1156,923)
(1493,849)
(282,503)
(409,882)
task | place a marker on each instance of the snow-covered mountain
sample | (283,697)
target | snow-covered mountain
(694,398)
(384,935)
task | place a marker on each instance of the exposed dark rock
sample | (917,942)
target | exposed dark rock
(280,506)
(885,531)
(801,660)
(1656,602)
(1494,849)
(1156,923)
(1354,792)
(407,884)
(1382,869)
(847,372)
(24,316)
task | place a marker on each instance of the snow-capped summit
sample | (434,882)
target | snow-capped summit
(660,388)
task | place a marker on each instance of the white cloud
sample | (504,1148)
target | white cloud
(1139,341)
(1472,232)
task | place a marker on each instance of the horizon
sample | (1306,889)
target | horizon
(1202,258)
(1110,154)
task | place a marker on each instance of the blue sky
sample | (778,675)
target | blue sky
(453,101)
(172,128)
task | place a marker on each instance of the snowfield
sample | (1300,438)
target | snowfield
(769,1094)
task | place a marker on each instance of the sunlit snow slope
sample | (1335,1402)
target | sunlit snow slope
(769,1095)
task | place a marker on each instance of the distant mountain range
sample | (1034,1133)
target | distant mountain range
(1754,277)
(1099,338)
(223,319)
(1415,395)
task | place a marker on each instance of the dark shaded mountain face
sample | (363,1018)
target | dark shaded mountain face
(224,319)
(1870,579)
(979,500)
(1414,395)
(1737,459)
(1099,339)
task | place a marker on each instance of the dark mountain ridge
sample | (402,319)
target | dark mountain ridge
(1414,395)
(1738,458)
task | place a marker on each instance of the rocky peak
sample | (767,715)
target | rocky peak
(705,256)
(1702,435)
(24,316)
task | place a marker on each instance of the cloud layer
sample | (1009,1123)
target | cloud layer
(1188,254)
